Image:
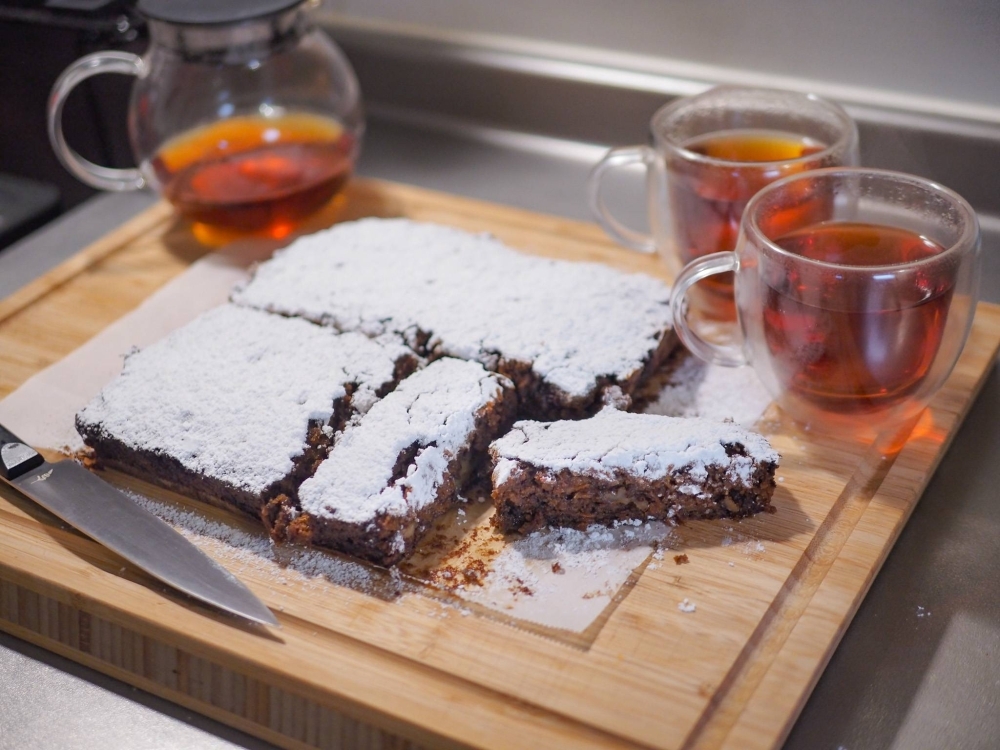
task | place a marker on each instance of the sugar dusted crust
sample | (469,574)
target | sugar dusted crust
(618,466)
(238,405)
(296,403)
(401,465)
(561,331)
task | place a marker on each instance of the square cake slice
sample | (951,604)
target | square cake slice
(401,465)
(238,405)
(562,331)
(618,466)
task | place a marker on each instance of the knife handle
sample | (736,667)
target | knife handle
(16,458)
(6,436)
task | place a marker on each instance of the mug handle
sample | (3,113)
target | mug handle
(615,158)
(104,178)
(693,272)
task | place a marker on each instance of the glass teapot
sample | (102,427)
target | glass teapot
(244,116)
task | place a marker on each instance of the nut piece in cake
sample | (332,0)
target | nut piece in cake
(562,331)
(237,405)
(401,465)
(618,466)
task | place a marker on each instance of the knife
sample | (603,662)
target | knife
(108,516)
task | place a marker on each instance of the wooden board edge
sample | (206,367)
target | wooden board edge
(276,715)
(581,231)
(79,262)
(779,695)
(23,592)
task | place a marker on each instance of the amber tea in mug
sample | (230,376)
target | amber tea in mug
(711,153)
(707,197)
(839,351)
(855,291)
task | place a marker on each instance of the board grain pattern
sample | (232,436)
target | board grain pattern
(773,594)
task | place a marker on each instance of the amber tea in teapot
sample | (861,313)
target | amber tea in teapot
(255,173)
(244,114)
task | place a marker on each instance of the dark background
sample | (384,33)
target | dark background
(38,40)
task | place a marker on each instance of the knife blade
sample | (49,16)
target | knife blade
(109,517)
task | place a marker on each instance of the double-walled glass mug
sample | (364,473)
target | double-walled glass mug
(855,291)
(244,115)
(711,153)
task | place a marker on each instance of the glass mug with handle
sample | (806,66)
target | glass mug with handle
(855,292)
(711,153)
(244,114)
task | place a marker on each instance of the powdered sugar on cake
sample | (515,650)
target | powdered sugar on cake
(575,323)
(434,412)
(643,445)
(231,394)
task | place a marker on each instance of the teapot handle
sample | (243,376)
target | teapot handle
(104,178)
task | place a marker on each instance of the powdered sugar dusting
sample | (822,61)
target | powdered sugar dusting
(644,445)
(432,412)
(238,548)
(696,389)
(231,394)
(477,298)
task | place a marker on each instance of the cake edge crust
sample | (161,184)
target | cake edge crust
(532,497)
(389,539)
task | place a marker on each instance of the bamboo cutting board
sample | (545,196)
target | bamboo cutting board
(349,669)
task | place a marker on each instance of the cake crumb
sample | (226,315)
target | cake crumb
(687,606)
(615,398)
(557,568)
(681,559)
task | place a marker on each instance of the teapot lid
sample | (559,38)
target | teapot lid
(212,11)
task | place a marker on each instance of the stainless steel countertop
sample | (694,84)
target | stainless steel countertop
(898,679)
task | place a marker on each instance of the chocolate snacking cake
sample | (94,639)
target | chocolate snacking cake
(238,405)
(618,466)
(401,465)
(562,331)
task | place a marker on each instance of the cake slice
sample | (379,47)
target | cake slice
(561,331)
(618,466)
(401,465)
(238,405)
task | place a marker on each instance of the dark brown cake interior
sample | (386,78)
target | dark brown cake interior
(532,498)
(378,541)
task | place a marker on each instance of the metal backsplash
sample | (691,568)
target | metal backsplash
(447,80)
